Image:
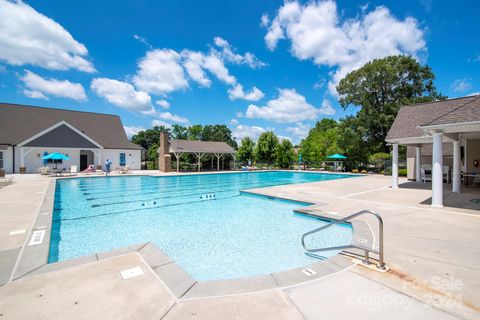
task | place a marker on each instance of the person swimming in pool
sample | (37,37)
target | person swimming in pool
(108,164)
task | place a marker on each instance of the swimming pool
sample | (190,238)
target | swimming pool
(201,221)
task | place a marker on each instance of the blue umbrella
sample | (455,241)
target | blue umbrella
(55,156)
(337,156)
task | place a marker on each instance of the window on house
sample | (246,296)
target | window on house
(122,159)
(1,160)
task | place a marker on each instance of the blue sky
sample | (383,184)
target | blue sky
(253,65)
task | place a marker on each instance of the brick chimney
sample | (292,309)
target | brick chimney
(164,157)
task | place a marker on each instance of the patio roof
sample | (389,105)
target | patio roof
(190,146)
(412,122)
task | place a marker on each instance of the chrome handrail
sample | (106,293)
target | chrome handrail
(381,264)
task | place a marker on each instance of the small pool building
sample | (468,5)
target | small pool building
(29,132)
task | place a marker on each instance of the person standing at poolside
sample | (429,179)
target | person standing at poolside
(108,163)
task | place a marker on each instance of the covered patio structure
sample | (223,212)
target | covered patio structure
(178,147)
(444,137)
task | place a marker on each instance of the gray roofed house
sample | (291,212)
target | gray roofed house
(443,143)
(27,132)
(412,121)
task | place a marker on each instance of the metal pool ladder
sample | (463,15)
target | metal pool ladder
(381,263)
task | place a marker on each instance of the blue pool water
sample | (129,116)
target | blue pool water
(227,235)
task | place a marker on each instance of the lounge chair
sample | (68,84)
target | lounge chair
(123,170)
(426,173)
(44,171)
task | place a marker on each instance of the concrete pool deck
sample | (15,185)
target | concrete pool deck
(432,254)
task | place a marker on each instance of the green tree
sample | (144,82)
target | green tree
(266,147)
(352,140)
(195,132)
(321,141)
(218,133)
(380,87)
(246,150)
(378,159)
(285,155)
(148,138)
(179,132)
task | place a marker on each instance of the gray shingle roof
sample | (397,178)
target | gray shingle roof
(177,145)
(20,122)
(410,118)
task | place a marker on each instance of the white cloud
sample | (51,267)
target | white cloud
(163,103)
(300,130)
(229,54)
(319,84)
(160,123)
(131,131)
(288,107)
(172,117)
(160,72)
(316,32)
(35,94)
(194,63)
(123,95)
(474,93)
(327,108)
(237,92)
(264,20)
(461,85)
(234,122)
(215,65)
(41,88)
(242,131)
(29,37)
(142,40)
(280,137)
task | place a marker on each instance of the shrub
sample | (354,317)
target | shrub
(402,172)
(355,171)
(378,159)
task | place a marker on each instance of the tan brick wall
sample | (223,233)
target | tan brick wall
(164,158)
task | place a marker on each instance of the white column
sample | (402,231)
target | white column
(395,166)
(437,174)
(456,167)
(218,161)
(177,156)
(418,164)
(99,157)
(199,155)
(22,157)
